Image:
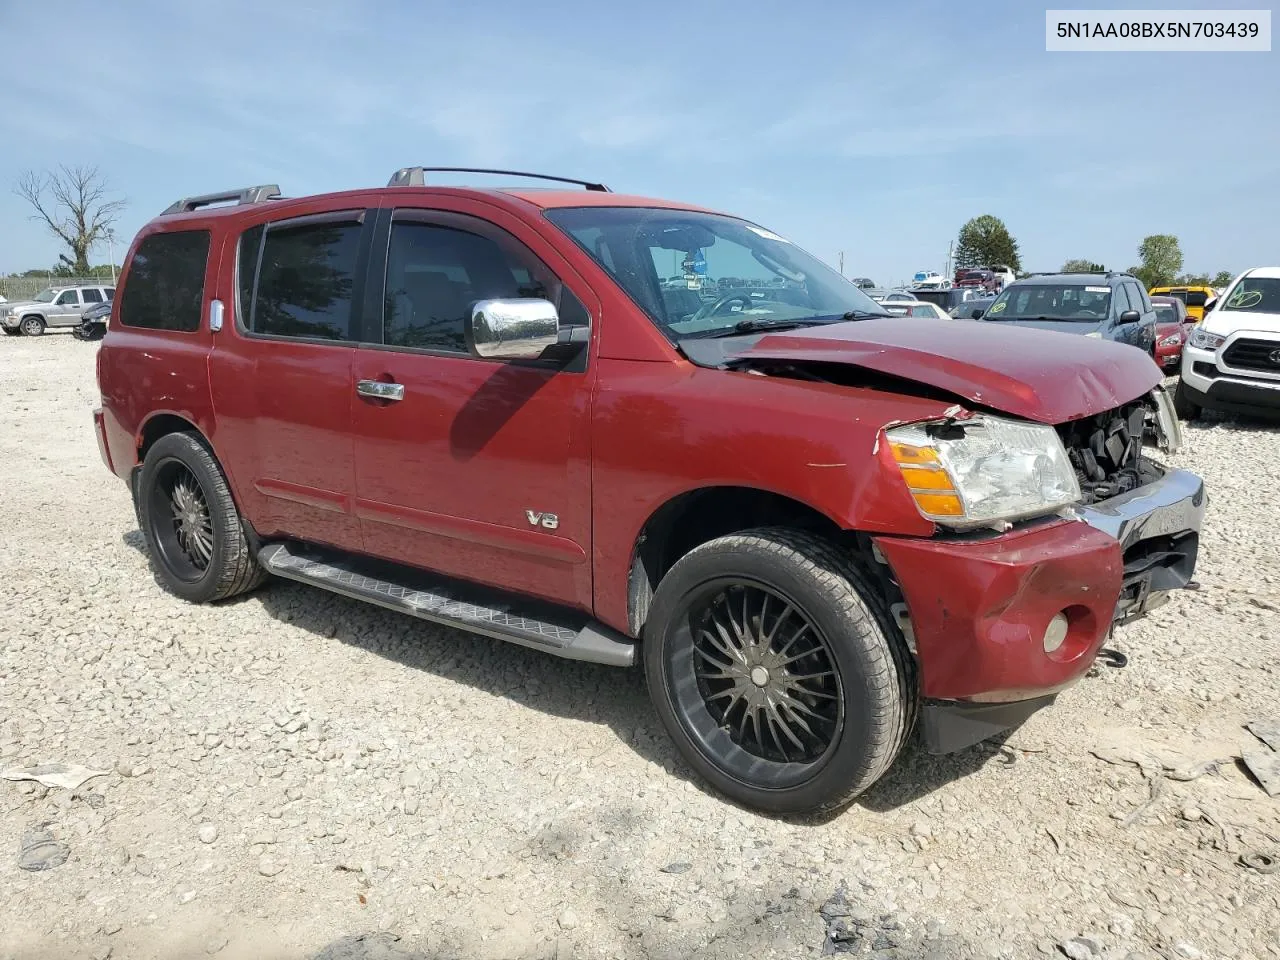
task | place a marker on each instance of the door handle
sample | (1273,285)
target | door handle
(380,389)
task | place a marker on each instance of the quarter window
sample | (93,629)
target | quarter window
(305,280)
(435,274)
(166,282)
(91,296)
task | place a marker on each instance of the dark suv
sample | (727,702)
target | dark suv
(816,525)
(1106,306)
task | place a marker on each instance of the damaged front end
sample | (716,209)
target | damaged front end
(1154,512)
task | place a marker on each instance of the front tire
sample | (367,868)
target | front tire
(778,672)
(1183,405)
(32,326)
(193,529)
(12,331)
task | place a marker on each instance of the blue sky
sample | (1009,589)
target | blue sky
(869,129)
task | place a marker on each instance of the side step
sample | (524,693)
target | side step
(419,594)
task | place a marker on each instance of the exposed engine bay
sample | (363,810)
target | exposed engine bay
(1106,451)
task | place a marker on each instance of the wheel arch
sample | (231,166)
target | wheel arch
(693,517)
(161,423)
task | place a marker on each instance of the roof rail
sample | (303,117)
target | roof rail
(1059,273)
(267,191)
(416,176)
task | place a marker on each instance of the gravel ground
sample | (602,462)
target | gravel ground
(294,774)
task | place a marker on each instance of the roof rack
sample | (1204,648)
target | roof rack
(416,176)
(1059,273)
(267,191)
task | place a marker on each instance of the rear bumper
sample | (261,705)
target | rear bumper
(979,608)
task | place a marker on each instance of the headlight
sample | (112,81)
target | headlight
(1205,340)
(1173,340)
(983,471)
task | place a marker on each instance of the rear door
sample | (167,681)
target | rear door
(281,373)
(481,469)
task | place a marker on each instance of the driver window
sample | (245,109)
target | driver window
(1121,296)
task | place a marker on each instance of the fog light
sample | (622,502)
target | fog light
(1056,633)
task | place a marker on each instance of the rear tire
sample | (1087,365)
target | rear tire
(1183,405)
(194,532)
(32,326)
(725,627)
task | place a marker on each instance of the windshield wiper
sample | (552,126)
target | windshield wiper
(751,326)
(864,315)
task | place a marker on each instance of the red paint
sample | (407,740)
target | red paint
(1045,376)
(980,609)
(444,478)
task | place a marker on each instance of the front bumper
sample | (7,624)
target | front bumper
(979,607)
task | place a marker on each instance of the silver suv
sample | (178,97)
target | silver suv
(51,307)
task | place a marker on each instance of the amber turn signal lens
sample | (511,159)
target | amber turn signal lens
(906,454)
(940,504)
(918,478)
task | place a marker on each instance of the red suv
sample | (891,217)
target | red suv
(618,429)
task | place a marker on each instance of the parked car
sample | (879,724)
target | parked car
(929,280)
(1231,361)
(886,296)
(973,308)
(468,405)
(1195,297)
(864,283)
(52,307)
(917,308)
(1173,327)
(1002,275)
(949,298)
(1110,306)
(975,277)
(93,323)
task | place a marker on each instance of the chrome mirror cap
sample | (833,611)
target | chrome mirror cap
(516,329)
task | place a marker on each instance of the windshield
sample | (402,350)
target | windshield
(699,274)
(1166,313)
(44,296)
(1254,295)
(1051,301)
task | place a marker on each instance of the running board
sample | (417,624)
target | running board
(454,605)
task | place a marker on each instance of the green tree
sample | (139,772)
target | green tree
(72,203)
(1222,278)
(1083,266)
(984,241)
(1161,260)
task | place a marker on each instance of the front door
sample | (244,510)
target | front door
(281,374)
(481,468)
(66,309)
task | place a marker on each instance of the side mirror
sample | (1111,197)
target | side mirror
(1130,316)
(517,329)
(977,313)
(1210,304)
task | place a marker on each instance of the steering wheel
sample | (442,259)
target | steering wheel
(711,309)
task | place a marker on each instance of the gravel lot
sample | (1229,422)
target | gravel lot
(294,774)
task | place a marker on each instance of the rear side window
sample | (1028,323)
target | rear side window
(91,295)
(1196,298)
(166,282)
(305,279)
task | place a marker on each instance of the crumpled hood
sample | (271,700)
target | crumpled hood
(1035,374)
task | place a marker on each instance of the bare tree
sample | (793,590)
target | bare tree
(72,202)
